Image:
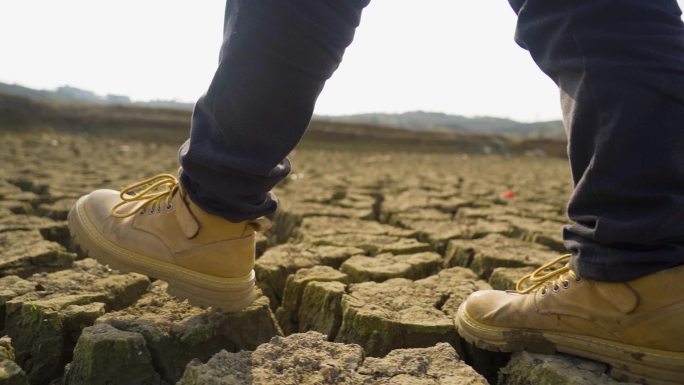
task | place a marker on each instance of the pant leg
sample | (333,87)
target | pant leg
(275,58)
(620,68)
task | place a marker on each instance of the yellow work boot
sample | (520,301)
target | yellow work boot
(153,228)
(636,327)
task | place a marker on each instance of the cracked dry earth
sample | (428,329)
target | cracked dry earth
(361,276)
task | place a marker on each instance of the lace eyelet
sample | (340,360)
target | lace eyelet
(543,291)
(556,288)
(578,279)
(566,284)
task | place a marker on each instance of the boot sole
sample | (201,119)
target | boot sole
(226,294)
(627,362)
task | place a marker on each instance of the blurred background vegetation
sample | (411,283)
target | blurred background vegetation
(71,110)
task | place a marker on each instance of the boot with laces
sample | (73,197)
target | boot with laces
(153,228)
(636,327)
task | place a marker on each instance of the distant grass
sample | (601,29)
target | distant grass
(172,126)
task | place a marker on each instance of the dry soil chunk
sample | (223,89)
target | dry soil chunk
(10,372)
(372,244)
(321,308)
(262,243)
(176,332)
(25,222)
(288,311)
(12,286)
(309,359)
(403,218)
(89,278)
(321,226)
(284,225)
(505,278)
(419,199)
(382,267)
(354,199)
(30,184)
(401,313)
(535,210)
(543,232)
(4,212)
(485,254)
(302,210)
(437,365)
(527,368)
(487,212)
(11,207)
(278,262)
(7,188)
(26,252)
(45,323)
(57,210)
(297,359)
(105,355)
(438,233)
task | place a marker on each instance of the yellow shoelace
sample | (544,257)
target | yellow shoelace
(546,274)
(149,193)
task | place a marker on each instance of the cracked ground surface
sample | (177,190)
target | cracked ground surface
(360,278)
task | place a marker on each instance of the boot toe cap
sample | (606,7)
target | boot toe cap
(98,205)
(492,307)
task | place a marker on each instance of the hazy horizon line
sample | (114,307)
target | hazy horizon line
(315,115)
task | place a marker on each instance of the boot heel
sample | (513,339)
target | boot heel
(653,377)
(231,298)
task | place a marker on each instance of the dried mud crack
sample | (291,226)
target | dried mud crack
(360,277)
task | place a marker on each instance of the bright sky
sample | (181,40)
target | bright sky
(454,56)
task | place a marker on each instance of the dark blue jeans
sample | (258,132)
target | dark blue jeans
(619,65)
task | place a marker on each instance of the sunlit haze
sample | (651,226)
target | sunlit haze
(454,56)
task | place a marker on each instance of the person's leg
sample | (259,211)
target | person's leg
(620,68)
(275,59)
(200,236)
